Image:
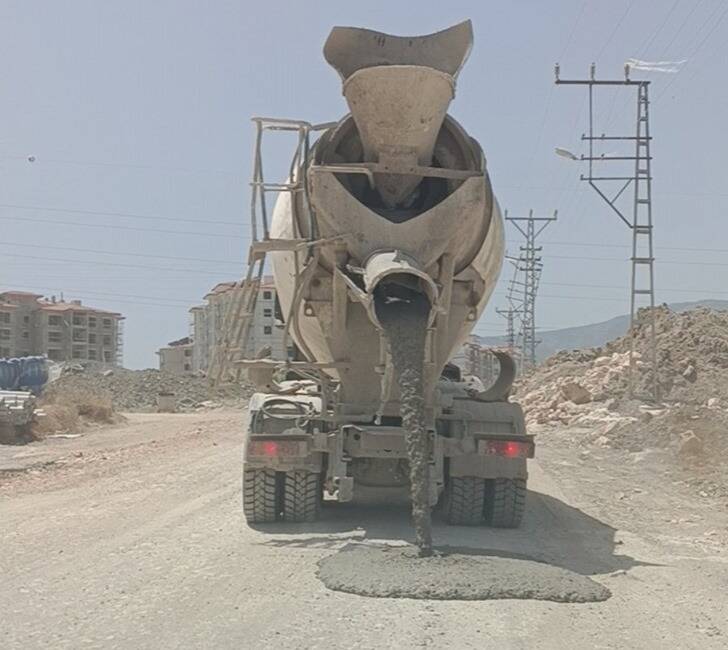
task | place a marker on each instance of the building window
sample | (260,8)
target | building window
(107,323)
(5,334)
(77,320)
(54,320)
(187,366)
(78,354)
(5,317)
(54,337)
(55,355)
(107,356)
(26,334)
(4,352)
(26,319)
(267,312)
(92,338)
(267,295)
(267,330)
(188,353)
(107,340)
(92,321)
(92,354)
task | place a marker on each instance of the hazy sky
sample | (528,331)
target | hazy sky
(137,113)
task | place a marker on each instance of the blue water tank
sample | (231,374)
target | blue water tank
(33,372)
(9,373)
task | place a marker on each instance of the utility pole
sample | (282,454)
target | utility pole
(610,188)
(515,309)
(530,264)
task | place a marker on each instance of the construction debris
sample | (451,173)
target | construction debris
(16,407)
(590,388)
(139,390)
(17,413)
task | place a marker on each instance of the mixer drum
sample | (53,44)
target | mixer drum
(404,188)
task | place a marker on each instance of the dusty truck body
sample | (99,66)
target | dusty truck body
(394,198)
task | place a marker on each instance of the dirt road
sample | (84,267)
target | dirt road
(133,537)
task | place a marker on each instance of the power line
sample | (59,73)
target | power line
(181,301)
(715,26)
(615,30)
(123,215)
(621,259)
(682,25)
(91,163)
(129,228)
(686,249)
(666,49)
(655,34)
(621,288)
(97,251)
(118,264)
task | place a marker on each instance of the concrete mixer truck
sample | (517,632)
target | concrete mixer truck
(389,208)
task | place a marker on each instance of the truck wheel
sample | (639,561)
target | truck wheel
(465,500)
(302,496)
(260,496)
(505,502)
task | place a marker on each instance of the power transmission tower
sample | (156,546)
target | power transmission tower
(509,314)
(640,221)
(530,264)
(514,310)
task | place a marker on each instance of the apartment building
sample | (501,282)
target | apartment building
(206,322)
(176,357)
(63,331)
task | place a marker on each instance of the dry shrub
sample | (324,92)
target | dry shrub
(67,409)
(57,419)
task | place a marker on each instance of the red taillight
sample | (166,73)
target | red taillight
(507,448)
(270,448)
(275,448)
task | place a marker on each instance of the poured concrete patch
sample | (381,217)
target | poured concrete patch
(398,572)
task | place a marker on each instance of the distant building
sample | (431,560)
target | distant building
(176,357)
(62,331)
(206,322)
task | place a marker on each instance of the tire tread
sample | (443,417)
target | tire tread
(260,495)
(506,502)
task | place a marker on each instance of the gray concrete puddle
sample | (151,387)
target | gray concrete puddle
(398,572)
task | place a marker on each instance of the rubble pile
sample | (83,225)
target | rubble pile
(589,388)
(138,390)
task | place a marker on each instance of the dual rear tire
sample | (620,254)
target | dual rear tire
(296,496)
(270,496)
(472,501)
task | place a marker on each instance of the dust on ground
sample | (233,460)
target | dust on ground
(405,326)
(161,494)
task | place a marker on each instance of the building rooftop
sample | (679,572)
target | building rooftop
(7,299)
(19,294)
(220,287)
(62,306)
(179,342)
(266,282)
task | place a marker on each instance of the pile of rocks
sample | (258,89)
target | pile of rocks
(590,388)
(138,390)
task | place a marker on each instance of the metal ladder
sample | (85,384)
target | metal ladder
(232,335)
(642,246)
